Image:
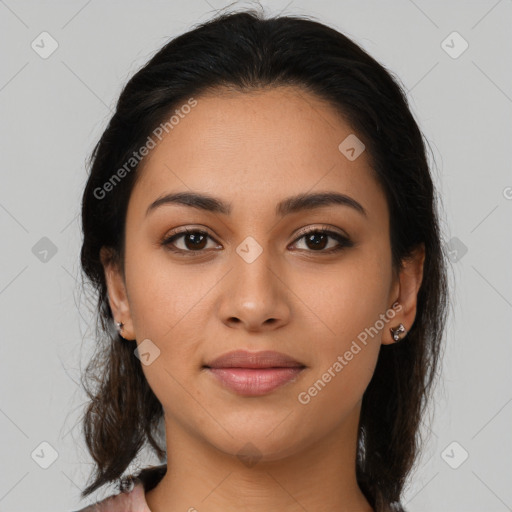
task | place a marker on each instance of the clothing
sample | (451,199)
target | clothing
(132,498)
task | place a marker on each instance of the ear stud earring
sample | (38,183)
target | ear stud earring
(395,332)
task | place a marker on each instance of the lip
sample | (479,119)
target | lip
(246,359)
(254,373)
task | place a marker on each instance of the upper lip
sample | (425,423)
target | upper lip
(245,359)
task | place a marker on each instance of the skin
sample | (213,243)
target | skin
(253,150)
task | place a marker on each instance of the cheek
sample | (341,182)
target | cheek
(167,310)
(346,346)
(169,306)
(342,312)
(163,294)
(341,303)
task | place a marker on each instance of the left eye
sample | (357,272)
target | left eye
(316,240)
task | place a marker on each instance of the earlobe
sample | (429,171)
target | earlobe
(409,282)
(117,296)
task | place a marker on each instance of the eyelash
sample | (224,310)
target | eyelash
(342,241)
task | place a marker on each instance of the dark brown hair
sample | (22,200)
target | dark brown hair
(243,51)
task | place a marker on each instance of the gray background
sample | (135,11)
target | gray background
(54,110)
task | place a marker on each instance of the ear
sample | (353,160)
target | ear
(405,293)
(117,296)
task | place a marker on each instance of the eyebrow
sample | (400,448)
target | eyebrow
(287,206)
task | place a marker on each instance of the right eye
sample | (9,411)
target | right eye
(191,241)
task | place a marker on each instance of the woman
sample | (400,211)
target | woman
(260,225)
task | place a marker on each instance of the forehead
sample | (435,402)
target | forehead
(257,147)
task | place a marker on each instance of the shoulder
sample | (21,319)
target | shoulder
(132,495)
(126,501)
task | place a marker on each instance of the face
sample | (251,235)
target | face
(257,273)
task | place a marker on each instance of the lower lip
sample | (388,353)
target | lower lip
(254,381)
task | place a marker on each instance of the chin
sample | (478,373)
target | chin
(264,444)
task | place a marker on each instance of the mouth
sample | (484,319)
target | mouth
(254,373)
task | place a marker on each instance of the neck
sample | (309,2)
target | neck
(320,476)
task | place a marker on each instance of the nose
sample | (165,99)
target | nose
(254,297)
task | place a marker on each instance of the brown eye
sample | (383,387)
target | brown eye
(316,240)
(190,241)
(323,241)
